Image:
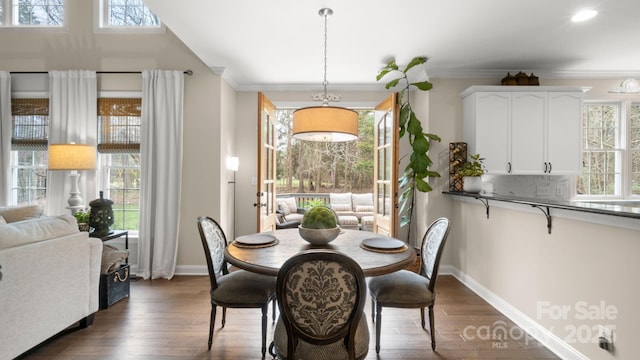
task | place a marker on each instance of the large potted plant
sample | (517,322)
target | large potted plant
(471,172)
(417,171)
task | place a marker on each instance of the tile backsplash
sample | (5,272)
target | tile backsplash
(530,186)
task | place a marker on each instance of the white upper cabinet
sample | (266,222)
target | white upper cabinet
(527,130)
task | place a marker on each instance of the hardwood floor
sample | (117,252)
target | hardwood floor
(170,320)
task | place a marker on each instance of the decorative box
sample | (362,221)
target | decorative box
(114,286)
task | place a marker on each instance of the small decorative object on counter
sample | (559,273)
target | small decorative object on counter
(533,80)
(101,216)
(457,156)
(472,172)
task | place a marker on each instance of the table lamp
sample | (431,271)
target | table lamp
(72,157)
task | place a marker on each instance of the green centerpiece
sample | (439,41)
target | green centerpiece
(319,226)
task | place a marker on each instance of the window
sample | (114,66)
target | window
(29,150)
(32,13)
(119,148)
(611,150)
(126,14)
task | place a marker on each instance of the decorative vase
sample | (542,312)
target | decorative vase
(472,184)
(101,217)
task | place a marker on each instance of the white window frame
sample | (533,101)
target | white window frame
(8,19)
(100,22)
(623,123)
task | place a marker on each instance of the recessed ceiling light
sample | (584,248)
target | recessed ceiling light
(584,15)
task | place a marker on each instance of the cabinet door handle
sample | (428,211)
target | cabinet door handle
(549,168)
(509,167)
(546,167)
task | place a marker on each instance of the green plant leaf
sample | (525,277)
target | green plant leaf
(414,126)
(424,85)
(392,83)
(418,60)
(432,137)
(382,73)
(420,144)
(422,185)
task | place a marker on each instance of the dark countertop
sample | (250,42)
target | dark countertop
(613,208)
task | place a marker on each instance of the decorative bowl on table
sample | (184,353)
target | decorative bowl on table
(319,237)
(319,225)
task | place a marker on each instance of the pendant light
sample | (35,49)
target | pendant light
(325,123)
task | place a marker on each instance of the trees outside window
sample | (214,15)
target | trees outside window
(611,150)
(322,167)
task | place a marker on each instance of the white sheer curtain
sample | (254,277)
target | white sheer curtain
(5,137)
(73,117)
(161,178)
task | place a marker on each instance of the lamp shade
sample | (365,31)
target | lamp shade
(72,157)
(325,123)
(233,163)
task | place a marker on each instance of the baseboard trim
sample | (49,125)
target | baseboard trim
(535,330)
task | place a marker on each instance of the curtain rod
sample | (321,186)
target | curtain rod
(186,72)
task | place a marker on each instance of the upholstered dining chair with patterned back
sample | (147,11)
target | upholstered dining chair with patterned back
(236,289)
(321,295)
(407,289)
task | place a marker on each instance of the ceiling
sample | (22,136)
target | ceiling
(279,44)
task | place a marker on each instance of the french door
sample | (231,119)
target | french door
(385,166)
(266,191)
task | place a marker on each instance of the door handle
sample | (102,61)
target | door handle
(550,168)
(509,167)
(546,167)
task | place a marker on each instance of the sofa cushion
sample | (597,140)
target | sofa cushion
(341,207)
(19,213)
(27,231)
(364,208)
(2,221)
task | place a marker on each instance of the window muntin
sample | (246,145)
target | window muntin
(29,177)
(131,15)
(38,13)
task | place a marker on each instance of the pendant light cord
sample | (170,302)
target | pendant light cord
(325,12)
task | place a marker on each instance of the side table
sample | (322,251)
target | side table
(114,286)
(114,235)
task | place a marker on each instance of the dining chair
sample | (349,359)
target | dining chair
(407,289)
(321,295)
(236,289)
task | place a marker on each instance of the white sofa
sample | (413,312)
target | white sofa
(49,278)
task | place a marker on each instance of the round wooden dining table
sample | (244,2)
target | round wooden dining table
(267,258)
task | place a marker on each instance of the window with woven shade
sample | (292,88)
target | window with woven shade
(30,124)
(119,125)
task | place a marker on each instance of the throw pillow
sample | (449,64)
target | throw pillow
(282,206)
(2,220)
(291,203)
(19,213)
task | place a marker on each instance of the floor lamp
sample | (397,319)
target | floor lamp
(72,157)
(233,164)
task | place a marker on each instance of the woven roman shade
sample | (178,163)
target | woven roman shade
(30,124)
(119,125)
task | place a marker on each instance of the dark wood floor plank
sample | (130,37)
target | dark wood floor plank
(169,320)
